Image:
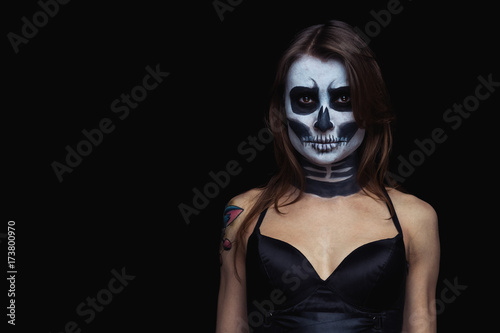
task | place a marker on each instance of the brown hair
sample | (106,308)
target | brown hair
(371,108)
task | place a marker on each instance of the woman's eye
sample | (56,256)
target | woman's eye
(305,100)
(343,99)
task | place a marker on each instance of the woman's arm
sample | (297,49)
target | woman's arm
(231,308)
(421,228)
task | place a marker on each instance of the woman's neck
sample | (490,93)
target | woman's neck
(328,181)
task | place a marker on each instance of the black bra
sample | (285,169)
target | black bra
(365,293)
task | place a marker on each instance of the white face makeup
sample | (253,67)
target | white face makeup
(321,123)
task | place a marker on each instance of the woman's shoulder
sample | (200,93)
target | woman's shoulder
(410,203)
(245,200)
(238,207)
(413,212)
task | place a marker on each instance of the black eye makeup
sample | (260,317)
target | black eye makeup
(340,98)
(304,100)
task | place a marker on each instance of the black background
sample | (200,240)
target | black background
(119,207)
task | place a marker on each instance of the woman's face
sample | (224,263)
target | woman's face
(318,107)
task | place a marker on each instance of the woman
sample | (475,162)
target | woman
(325,246)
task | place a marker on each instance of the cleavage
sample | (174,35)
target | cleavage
(324,245)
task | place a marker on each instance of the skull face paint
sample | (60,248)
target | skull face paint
(319,112)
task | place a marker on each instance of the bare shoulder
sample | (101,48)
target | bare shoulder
(413,213)
(246,199)
(234,214)
(420,228)
(237,208)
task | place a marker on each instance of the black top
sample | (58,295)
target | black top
(365,293)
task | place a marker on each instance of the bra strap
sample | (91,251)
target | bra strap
(395,219)
(261,218)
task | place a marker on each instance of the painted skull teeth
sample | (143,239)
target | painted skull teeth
(321,139)
(326,147)
(324,143)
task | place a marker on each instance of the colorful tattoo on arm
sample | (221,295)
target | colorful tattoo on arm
(230,214)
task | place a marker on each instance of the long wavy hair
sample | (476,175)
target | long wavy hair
(370,104)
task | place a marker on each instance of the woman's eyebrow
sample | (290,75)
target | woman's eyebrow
(301,89)
(342,89)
